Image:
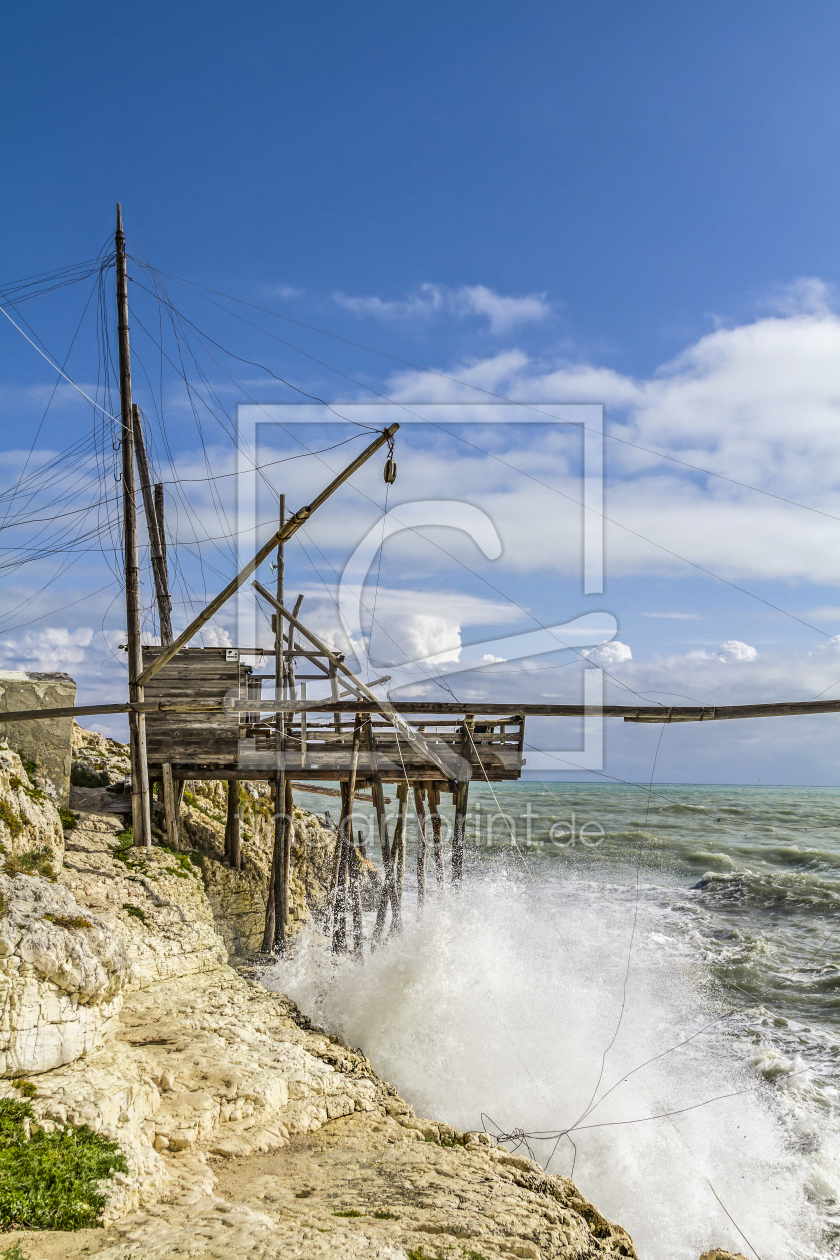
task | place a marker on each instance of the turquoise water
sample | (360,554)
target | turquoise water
(614,957)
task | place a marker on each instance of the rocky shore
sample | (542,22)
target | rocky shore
(245,1131)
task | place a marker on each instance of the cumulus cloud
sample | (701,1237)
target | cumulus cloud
(608,654)
(54,648)
(735,650)
(502,312)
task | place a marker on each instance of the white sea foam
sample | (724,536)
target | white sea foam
(503,1001)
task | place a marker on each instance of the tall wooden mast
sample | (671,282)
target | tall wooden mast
(140,808)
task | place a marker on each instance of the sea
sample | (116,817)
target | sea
(639,986)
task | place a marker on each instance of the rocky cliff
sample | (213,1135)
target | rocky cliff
(244,1129)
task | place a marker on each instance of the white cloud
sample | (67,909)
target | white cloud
(215,635)
(673,616)
(501,312)
(758,403)
(608,654)
(735,650)
(48,650)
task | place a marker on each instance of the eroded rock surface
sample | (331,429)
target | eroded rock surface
(246,1130)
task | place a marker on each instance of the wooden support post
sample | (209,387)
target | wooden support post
(154,508)
(461,796)
(232,832)
(356,901)
(141,813)
(421,845)
(154,525)
(344,841)
(170,804)
(399,838)
(433,794)
(389,892)
(270,928)
(288,844)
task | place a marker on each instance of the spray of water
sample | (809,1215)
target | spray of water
(500,1003)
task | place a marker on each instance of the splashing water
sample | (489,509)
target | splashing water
(502,1002)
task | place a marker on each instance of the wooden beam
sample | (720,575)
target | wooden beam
(282,536)
(511,712)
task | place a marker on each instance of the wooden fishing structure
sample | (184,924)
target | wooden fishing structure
(201,713)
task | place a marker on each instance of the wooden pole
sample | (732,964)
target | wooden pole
(232,830)
(461,795)
(507,712)
(433,794)
(289,529)
(153,507)
(154,525)
(389,892)
(140,804)
(289,839)
(345,840)
(421,845)
(273,919)
(399,838)
(356,901)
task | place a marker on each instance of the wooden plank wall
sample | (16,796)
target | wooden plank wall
(205,738)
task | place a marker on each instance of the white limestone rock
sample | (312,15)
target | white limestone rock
(61,975)
(29,819)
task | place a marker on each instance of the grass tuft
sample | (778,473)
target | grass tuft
(13,820)
(25,1087)
(13,1253)
(68,921)
(135,912)
(350,1212)
(69,820)
(33,862)
(49,1180)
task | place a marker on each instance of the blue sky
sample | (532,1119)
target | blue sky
(629,205)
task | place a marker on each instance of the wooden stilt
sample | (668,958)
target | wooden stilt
(345,841)
(288,844)
(433,794)
(170,807)
(461,795)
(232,830)
(399,838)
(341,866)
(389,892)
(275,919)
(356,901)
(421,845)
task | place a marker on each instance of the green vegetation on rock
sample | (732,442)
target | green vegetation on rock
(49,1180)
(33,862)
(12,819)
(135,912)
(69,820)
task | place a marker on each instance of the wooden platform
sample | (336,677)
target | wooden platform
(242,744)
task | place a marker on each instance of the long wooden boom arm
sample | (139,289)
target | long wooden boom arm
(283,534)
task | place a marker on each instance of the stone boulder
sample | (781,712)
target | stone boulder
(61,975)
(44,742)
(31,834)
